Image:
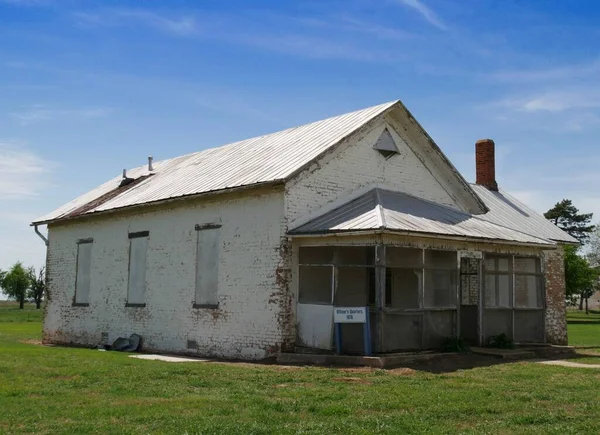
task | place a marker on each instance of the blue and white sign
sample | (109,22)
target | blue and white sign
(350,314)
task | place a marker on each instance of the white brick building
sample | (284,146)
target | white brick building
(242,251)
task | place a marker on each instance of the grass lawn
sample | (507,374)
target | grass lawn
(583,329)
(68,390)
(10,312)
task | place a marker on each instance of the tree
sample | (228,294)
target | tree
(567,217)
(580,277)
(15,283)
(37,286)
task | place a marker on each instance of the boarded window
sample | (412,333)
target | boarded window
(84,264)
(138,245)
(207,266)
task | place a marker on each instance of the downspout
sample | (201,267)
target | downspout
(41,235)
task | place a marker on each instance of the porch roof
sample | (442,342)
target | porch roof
(385,210)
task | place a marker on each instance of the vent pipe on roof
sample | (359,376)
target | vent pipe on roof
(150,168)
(126,180)
(485,164)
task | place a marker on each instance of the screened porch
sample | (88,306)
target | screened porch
(416,298)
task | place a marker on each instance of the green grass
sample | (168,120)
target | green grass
(10,312)
(66,390)
(583,329)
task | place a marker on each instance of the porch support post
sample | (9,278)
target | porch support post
(379,297)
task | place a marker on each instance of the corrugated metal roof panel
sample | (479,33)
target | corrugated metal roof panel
(507,211)
(397,211)
(258,160)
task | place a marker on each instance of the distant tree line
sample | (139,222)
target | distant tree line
(24,284)
(582,262)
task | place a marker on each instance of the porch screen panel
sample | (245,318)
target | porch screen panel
(528,283)
(405,272)
(441,290)
(316,285)
(529,300)
(498,283)
(316,255)
(316,275)
(402,331)
(405,288)
(496,322)
(437,326)
(529,326)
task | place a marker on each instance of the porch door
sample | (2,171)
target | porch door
(497,313)
(470,309)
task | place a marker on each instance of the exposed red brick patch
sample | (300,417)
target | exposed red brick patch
(556,309)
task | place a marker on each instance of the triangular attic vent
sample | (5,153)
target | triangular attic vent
(386,145)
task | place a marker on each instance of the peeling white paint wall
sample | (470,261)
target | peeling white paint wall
(355,165)
(244,326)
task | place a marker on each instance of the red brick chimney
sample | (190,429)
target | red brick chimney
(485,164)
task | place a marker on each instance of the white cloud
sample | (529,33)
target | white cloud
(567,110)
(558,73)
(23,174)
(312,47)
(281,34)
(39,113)
(185,25)
(561,101)
(377,30)
(427,13)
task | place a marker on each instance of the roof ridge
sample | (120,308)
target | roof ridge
(261,136)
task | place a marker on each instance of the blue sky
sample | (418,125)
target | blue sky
(88,88)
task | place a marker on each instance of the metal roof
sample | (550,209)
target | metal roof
(507,211)
(263,159)
(381,209)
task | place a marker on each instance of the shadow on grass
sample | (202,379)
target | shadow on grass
(454,363)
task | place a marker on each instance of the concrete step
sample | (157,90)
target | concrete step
(329,360)
(507,354)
